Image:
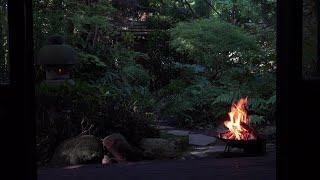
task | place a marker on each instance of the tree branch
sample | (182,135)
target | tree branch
(95,36)
(86,130)
(189,7)
(212,7)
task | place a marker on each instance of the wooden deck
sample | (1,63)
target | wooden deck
(240,168)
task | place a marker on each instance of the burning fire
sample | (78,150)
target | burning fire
(238,124)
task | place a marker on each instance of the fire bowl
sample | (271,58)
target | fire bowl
(250,147)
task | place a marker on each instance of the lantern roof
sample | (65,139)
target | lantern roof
(56,54)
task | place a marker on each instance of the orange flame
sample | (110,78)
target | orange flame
(238,124)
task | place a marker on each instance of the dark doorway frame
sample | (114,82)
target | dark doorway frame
(17,99)
(318,26)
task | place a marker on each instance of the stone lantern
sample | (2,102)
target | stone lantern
(58,59)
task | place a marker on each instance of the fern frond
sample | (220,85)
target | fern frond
(227,98)
(256,119)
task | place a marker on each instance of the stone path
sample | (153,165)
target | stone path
(195,138)
(203,142)
(178,132)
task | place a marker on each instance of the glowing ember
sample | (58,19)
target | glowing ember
(238,124)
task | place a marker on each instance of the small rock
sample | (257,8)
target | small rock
(118,146)
(158,148)
(106,160)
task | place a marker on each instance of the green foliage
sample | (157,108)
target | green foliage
(89,59)
(197,61)
(80,91)
(174,87)
(158,41)
(173,8)
(135,74)
(202,8)
(272,100)
(122,56)
(256,11)
(227,98)
(90,67)
(203,103)
(82,24)
(159,22)
(190,68)
(233,59)
(128,39)
(256,120)
(211,42)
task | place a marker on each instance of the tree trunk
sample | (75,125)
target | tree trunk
(234,12)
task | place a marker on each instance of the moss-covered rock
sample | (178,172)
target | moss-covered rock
(78,150)
(158,148)
(182,142)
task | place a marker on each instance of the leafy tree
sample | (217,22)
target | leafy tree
(212,43)
(202,8)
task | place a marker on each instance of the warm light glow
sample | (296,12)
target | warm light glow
(239,122)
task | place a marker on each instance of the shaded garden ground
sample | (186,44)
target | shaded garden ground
(143,62)
(241,168)
(203,158)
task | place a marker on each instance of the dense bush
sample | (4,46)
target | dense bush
(210,41)
(222,63)
(159,22)
(93,110)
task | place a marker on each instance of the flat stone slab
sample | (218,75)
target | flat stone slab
(164,127)
(206,151)
(178,132)
(201,140)
(210,149)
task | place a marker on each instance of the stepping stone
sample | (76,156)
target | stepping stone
(204,151)
(178,132)
(164,127)
(201,140)
(215,148)
(207,151)
(270,147)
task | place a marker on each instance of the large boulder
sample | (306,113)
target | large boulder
(120,149)
(78,150)
(158,148)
